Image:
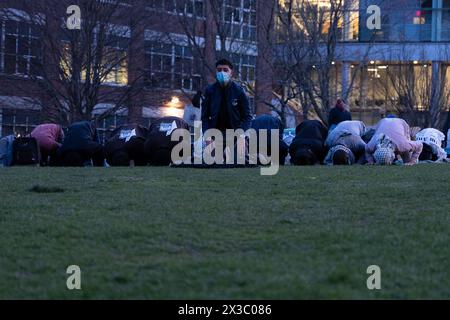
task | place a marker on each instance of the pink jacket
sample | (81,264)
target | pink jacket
(399,132)
(48,135)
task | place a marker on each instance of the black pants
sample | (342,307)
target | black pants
(133,149)
(48,157)
(77,158)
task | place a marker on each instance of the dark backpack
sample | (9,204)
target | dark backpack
(26,151)
(158,146)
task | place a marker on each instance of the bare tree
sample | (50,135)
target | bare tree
(422,90)
(309,49)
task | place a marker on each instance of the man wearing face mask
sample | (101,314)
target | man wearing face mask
(226,105)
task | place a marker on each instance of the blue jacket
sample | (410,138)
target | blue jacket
(237,103)
(80,136)
(269,123)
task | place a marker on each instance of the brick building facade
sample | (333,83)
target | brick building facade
(161,48)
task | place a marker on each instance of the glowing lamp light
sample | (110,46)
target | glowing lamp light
(173,108)
(175,100)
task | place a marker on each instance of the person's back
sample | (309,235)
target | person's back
(79,136)
(432,139)
(397,132)
(431,135)
(311,130)
(348,134)
(81,142)
(396,129)
(126,143)
(309,141)
(338,114)
(356,128)
(158,145)
(49,136)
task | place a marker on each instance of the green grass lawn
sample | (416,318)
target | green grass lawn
(165,233)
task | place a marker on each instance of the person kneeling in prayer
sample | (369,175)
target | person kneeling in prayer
(392,138)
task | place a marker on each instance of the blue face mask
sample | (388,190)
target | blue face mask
(223,77)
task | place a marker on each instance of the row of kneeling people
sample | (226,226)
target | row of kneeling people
(79,145)
(350,142)
(391,141)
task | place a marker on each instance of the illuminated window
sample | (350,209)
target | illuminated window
(114,66)
(115,60)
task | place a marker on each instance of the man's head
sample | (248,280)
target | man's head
(341,158)
(305,157)
(384,156)
(224,71)
(340,104)
(427,153)
(385,150)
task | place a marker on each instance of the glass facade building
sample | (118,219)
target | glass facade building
(403,65)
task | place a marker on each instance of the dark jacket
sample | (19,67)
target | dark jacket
(237,104)
(337,116)
(80,136)
(310,134)
(158,146)
(134,146)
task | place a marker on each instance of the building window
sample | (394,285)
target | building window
(115,60)
(445,26)
(188,7)
(239,18)
(20,48)
(159,62)
(172,67)
(19,122)
(401,21)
